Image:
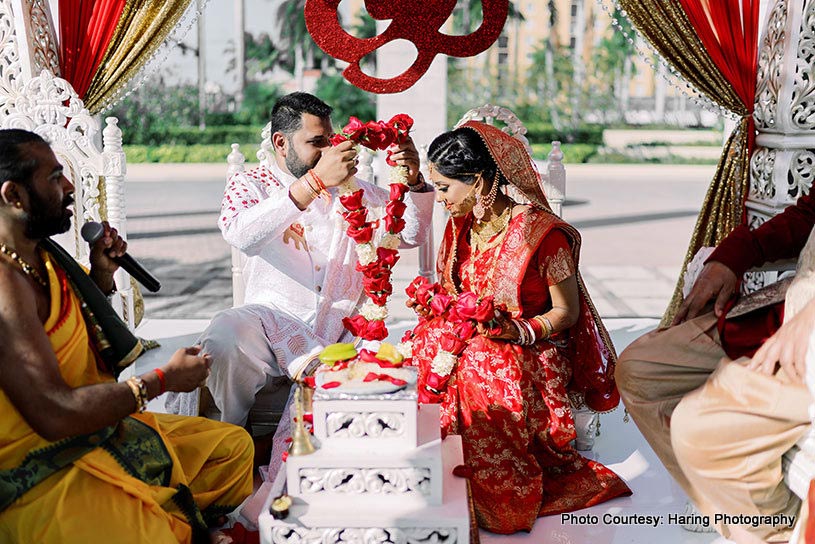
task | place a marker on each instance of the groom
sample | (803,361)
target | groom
(300,275)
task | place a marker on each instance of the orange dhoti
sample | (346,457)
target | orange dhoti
(151,478)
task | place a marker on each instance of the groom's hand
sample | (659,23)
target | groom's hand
(405,154)
(337,164)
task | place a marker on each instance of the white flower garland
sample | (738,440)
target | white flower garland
(366,253)
(371,311)
(443,363)
(405,349)
(390,241)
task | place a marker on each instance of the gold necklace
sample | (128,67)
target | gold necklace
(24,266)
(481,238)
(501,221)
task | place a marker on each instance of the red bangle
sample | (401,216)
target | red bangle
(162,383)
(537,327)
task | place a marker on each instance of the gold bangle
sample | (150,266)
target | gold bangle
(139,389)
(312,193)
(546,325)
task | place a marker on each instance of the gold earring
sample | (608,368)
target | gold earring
(18,204)
(481,204)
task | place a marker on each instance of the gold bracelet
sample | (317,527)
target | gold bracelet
(312,193)
(139,389)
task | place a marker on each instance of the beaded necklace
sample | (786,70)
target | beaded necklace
(24,266)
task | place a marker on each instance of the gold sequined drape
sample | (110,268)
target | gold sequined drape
(142,28)
(665,24)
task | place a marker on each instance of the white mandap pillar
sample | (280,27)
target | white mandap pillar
(426,102)
(783,164)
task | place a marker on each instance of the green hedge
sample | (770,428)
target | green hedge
(213,153)
(539,133)
(212,135)
(572,153)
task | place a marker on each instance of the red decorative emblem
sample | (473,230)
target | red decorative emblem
(416,21)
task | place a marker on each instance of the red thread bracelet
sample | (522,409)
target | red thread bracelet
(317,179)
(161,381)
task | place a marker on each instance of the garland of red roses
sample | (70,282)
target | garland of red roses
(375,263)
(464,311)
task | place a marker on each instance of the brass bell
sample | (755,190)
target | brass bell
(300,437)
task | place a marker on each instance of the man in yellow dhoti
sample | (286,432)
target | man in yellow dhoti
(79,459)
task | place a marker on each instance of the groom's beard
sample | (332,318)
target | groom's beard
(295,164)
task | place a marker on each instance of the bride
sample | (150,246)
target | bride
(507,381)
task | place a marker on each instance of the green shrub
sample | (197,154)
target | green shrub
(545,133)
(208,153)
(615,157)
(137,153)
(258,99)
(572,153)
(212,135)
(146,115)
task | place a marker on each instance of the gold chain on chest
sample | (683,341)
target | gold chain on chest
(481,240)
(23,265)
(483,236)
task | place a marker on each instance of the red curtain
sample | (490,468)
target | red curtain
(729,31)
(86,28)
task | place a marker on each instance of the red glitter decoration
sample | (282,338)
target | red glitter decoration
(417,21)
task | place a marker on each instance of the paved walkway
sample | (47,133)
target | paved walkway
(635,221)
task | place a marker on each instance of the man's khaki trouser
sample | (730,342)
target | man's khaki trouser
(720,434)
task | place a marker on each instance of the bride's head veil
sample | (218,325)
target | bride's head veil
(513,160)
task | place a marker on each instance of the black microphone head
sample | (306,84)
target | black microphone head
(92,231)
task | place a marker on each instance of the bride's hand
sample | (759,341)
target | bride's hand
(420,310)
(500,328)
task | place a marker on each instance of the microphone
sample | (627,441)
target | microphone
(93,231)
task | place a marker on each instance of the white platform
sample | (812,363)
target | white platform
(424,456)
(621,447)
(322,512)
